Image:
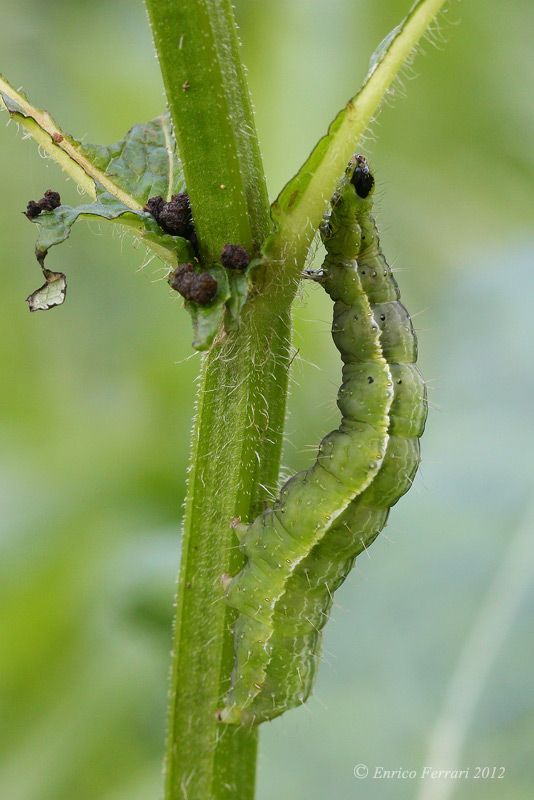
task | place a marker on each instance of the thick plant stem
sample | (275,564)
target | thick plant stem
(197,46)
(237,438)
(236,448)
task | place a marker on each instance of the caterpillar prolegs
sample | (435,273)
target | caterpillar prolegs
(302,549)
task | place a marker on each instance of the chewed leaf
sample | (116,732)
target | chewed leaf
(55,226)
(121,178)
(145,158)
(51,293)
(144,163)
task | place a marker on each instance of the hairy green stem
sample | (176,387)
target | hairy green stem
(237,438)
(197,46)
(236,451)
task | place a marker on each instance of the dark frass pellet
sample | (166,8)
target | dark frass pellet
(153,206)
(173,216)
(33,209)
(234,256)
(48,202)
(199,287)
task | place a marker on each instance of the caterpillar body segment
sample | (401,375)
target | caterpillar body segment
(302,549)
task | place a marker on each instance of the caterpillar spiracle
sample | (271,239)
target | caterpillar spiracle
(302,549)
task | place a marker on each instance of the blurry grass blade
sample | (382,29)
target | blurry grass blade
(299,208)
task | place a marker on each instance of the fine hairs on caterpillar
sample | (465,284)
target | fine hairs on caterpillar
(302,549)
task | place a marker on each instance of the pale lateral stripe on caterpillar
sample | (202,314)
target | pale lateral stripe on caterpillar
(300,551)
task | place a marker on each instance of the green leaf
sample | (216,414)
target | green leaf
(144,163)
(55,226)
(298,210)
(51,293)
(145,159)
(240,285)
(121,177)
(208,319)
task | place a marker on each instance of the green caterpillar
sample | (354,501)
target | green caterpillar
(300,551)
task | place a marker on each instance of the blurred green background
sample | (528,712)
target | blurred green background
(428,657)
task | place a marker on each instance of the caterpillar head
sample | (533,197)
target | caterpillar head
(360,177)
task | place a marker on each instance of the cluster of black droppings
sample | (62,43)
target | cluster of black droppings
(234,256)
(173,216)
(49,202)
(199,287)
